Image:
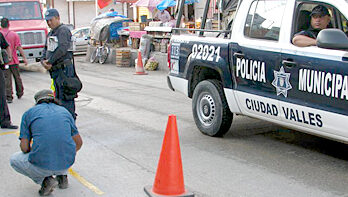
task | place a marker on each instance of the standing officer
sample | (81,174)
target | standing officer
(57,57)
(5,119)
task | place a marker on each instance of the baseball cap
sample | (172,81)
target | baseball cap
(320,10)
(43,94)
(50,13)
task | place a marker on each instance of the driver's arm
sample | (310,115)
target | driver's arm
(303,41)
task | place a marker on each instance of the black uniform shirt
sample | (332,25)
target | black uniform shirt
(62,36)
(310,32)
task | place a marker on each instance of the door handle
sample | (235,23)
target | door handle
(289,63)
(238,54)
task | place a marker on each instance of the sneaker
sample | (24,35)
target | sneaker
(62,181)
(19,96)
(47,186)
(9,100)
(9,126)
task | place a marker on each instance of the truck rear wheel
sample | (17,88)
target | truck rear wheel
(210,109)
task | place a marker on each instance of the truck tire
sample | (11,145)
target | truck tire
(210,109)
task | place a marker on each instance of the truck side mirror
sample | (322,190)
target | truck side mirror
(332,39)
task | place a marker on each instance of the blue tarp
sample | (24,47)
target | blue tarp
(109,14)
(165,4)
(115,27)
(171,3)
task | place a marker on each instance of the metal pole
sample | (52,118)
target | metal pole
(179,14)
(219,20)
(204,19)
(96,7)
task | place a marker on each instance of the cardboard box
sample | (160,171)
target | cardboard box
(135,26)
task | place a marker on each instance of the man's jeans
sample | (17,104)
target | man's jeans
(19,161)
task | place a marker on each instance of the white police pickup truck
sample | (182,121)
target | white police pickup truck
(258,72)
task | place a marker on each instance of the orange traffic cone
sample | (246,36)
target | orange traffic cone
(169,179)
(139,68)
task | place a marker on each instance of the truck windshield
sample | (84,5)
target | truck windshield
(28,10)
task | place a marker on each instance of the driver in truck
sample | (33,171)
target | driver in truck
(320,19)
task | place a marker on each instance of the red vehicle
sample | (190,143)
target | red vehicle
(27,20)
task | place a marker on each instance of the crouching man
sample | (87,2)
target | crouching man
(55,141)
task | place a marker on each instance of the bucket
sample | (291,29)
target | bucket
(143,18)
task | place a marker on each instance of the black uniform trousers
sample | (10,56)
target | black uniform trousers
(5,118)
(13,70)
(68,71)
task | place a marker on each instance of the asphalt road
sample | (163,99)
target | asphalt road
(122,119)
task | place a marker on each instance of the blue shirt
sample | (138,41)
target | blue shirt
(51,127)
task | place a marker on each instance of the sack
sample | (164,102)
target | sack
(71,85)
(4,57)
(151,64)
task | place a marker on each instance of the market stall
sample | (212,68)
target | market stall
(160,37)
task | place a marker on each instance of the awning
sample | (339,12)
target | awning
(164,4)
(147,3)
(126,1)
(81,0)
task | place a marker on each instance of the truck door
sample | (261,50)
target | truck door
(254,55)
(319,79)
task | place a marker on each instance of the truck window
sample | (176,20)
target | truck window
(26,10)
(303,20)
(264,19)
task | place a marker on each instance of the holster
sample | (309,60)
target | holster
(61,65)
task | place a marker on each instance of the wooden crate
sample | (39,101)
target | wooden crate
(123,63)
(142,26)
(123,57)
(215,25)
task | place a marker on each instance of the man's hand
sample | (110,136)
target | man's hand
(78,141)
(25,61)
(25,145)
(46,64)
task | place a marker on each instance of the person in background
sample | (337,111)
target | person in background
(27,14)
(15,44)
(57,57)
(320,19)
(55,141)
(163,16)
(5,118)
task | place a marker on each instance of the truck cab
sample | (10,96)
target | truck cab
(259,72)
(26,19)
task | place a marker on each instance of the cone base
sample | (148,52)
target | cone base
(150,193)
(140,73)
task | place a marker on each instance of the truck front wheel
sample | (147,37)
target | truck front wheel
(210,109)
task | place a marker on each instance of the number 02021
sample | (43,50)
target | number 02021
(205,52)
